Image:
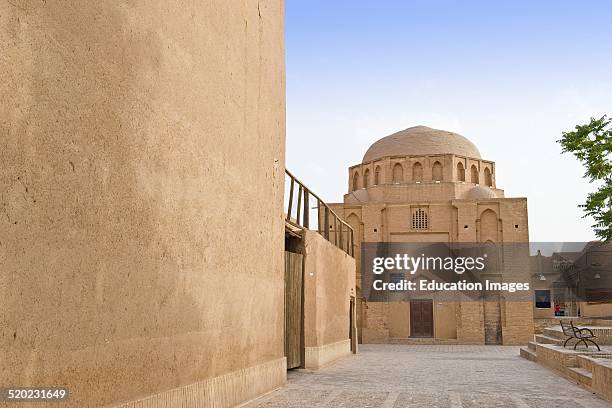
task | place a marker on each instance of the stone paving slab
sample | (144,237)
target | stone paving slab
(438,376)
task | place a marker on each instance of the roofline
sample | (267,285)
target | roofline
(421,155)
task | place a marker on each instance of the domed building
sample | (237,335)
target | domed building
(429,185)
(422,162)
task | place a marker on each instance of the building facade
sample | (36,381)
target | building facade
(574,283)
(429,185)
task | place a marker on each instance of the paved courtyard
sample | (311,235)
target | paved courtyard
(393,376)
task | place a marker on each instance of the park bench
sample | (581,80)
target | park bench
(583,335)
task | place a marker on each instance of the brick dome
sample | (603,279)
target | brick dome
(479,193)
(421,140)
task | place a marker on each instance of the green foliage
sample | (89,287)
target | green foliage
(592,145)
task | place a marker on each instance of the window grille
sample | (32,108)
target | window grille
(420,219)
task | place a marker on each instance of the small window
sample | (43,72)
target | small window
(460,172)
(436,171)
(366,178)
(542,299)
(355,181)
(475,178)
(377,176)
(417,172)
(488,177)
(420,219)
(398,173)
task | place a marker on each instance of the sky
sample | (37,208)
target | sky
(509,76)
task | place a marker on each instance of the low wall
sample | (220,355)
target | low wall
(540,324)
(227,390)
(329,283)
(601,381)
(596,310)
(593,370)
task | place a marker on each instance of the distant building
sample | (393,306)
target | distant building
(429,185)
(577,283)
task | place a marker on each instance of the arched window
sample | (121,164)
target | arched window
(488,177)
(355,181)
(419,219)
(417,172)
(474,174)
(398,173)
(436,171)
(366,178)
(460,172)
(377,175)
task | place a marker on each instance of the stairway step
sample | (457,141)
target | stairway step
(532,345)
(544,339)
(528,354)
(580,374)
(554,333)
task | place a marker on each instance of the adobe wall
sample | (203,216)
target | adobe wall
(602,310)
(329,283)
(134,139)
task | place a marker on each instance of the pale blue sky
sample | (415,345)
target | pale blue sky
(510,77)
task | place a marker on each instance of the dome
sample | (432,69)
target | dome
(421,140)
(358,196)
(479,193)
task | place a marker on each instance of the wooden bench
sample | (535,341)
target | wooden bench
(583,335)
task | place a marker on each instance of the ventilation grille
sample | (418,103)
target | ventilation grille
(420,219)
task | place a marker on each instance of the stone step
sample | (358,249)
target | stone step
(532,345)
(544,339)
(525,352)
(553,332)
(584,362)
(580,374)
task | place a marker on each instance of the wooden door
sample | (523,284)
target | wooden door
(293,309)
(421,318)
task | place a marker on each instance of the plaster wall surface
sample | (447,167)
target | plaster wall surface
(135,138)
(329,283)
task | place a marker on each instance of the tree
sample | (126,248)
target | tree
(592,146)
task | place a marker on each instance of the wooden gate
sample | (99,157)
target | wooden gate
(492,318)
(421,318)
(293,309)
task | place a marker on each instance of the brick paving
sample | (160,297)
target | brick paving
(440,376)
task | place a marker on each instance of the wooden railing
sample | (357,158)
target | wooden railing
(324,220)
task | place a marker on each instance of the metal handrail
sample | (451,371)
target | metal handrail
(329,224)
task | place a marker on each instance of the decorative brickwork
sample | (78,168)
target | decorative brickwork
(421,195)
